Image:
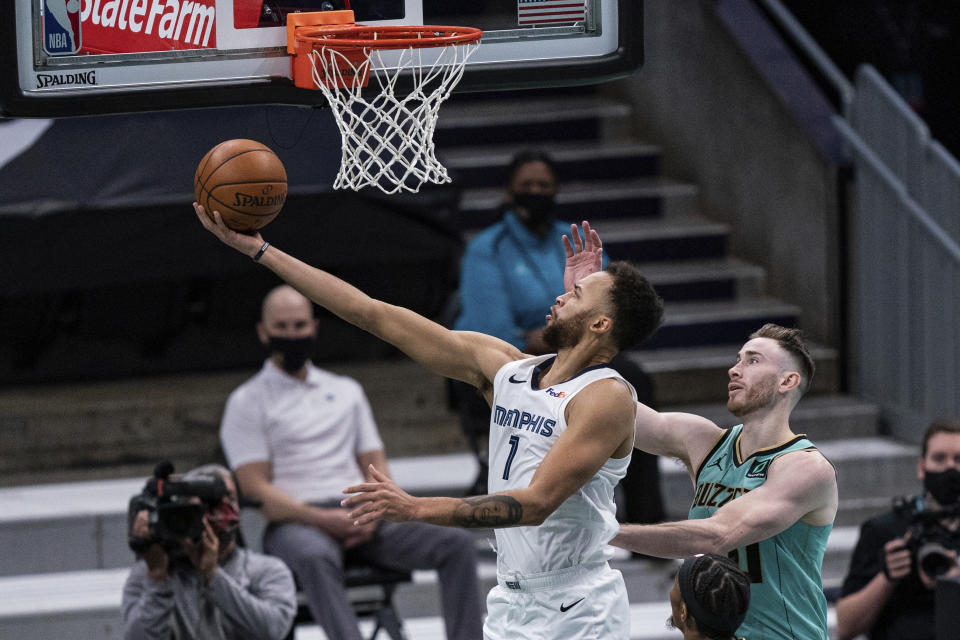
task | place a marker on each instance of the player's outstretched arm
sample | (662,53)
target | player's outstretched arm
(800,486)
(471,357)
(599,424)
(684,436)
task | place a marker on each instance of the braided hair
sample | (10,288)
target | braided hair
(717,594)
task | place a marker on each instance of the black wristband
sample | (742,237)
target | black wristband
(257,257)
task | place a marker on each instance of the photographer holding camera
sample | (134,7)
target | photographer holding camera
(889,590)
(192,580)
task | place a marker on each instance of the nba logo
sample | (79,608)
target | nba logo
(61,27)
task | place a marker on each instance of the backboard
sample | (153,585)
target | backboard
(77,57)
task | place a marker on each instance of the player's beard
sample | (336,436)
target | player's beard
(563,334)
(758,396)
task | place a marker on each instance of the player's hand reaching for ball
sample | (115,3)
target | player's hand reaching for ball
(380,500)
(248,244)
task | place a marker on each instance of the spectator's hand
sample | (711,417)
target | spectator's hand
(362,534)
(204,553)
(246,244)
(582,259)
(896,559)
(338,524)
(155,557)
(378,500)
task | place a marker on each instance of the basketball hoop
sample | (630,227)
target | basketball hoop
(387,137)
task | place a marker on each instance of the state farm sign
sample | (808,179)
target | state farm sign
(134,26)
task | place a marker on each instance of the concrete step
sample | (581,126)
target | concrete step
(35,520)
(698,374)
(104,429)
(531,119)
(597,200)
(712,322)
(669,240)
(487,166)
(86,604)
(705,279)
(821,417)
(869,472)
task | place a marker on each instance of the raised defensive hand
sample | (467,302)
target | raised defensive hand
(246,244)
(380,500)
(583,258)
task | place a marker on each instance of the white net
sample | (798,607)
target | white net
(388,138)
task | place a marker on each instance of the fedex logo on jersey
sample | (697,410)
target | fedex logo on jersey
(555,394)
(523,420)
(61,27)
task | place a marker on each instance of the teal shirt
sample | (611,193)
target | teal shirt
(509,279)
(786,594)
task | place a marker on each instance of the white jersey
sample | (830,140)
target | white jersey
(525,421)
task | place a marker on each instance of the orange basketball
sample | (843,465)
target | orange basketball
(244,180)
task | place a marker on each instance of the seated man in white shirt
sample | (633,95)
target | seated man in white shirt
(296,435)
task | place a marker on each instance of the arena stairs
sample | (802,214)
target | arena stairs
(72,454)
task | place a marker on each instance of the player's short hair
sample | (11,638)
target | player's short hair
(940,425)
(716,592)
(527,156)
(795,343)
(637,309)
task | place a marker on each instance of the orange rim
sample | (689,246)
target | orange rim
(348,37)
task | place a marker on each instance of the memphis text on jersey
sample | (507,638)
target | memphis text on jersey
(524,421)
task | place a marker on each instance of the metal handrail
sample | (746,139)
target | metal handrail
(918,212)
(820,59)
(894,99)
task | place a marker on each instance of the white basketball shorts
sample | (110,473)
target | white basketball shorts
(580,603)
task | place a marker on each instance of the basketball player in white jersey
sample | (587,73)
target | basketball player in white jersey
(561,436)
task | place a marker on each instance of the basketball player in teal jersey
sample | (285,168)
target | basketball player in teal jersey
(562,433)
(763,494)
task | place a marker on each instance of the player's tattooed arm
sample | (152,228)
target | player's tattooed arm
(488,511)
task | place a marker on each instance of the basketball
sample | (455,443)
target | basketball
(244,180)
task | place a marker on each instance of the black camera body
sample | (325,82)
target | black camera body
(929,539)
(172,512)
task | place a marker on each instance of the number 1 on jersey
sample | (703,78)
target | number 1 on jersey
(514,443)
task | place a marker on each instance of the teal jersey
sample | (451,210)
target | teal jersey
(786,594)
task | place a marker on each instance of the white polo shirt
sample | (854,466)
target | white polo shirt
(310,431)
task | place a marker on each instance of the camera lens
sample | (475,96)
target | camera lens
(934,559)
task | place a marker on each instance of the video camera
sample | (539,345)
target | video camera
(930,541)
(172,513)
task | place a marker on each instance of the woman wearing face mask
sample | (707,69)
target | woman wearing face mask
(510,276)
(512,271)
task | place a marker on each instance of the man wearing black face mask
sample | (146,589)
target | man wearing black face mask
(296,436)
(885,595)
(209,588)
